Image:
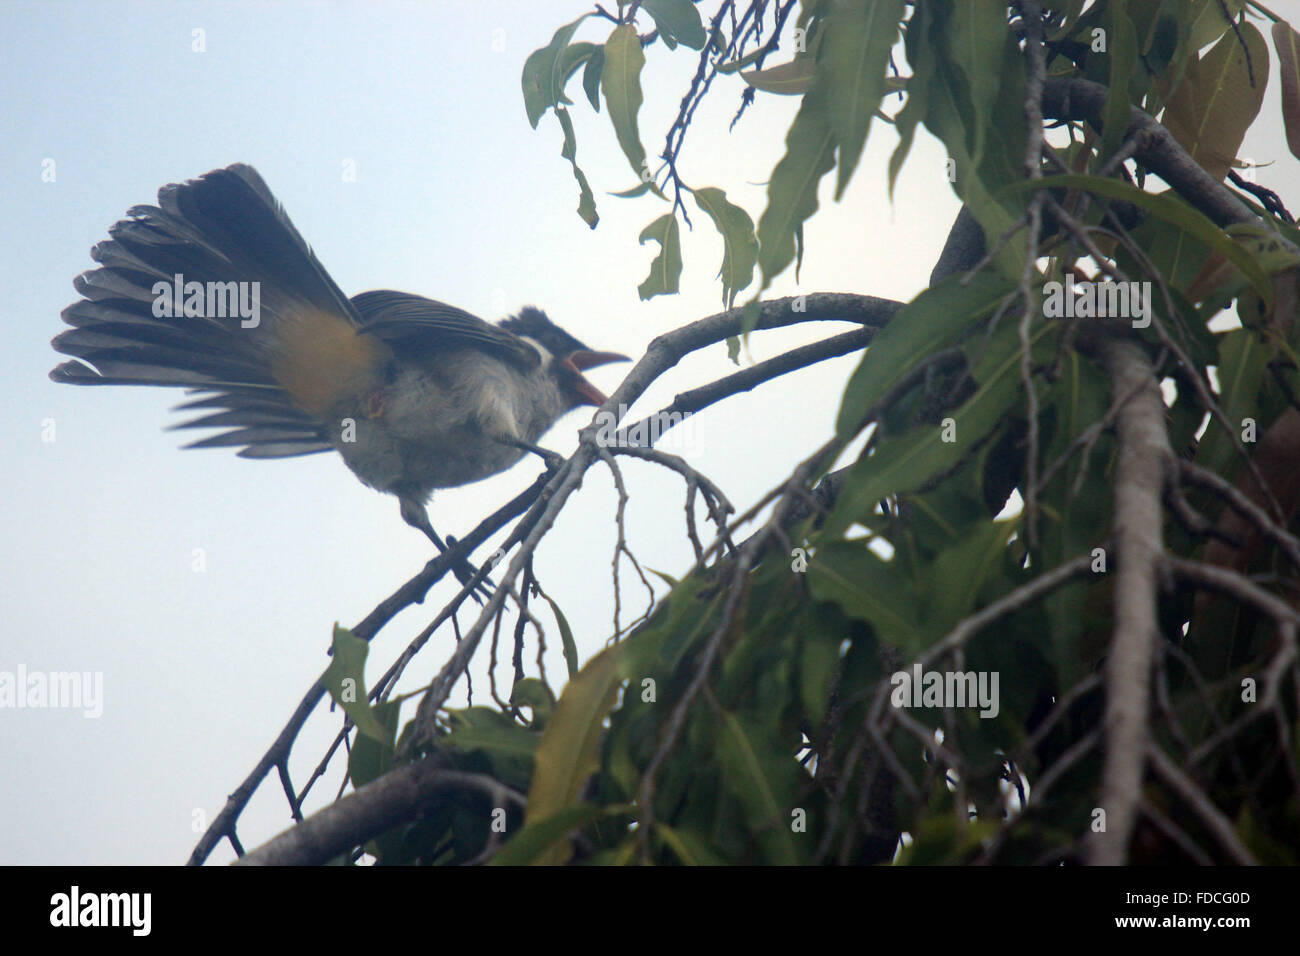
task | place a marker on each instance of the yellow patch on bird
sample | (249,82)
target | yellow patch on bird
(322,362)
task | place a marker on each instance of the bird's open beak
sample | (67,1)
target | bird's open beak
(580,361)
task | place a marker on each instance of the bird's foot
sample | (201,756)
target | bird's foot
(414,514)
(552,459)
(465,573)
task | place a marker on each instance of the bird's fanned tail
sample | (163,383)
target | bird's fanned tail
(271,376)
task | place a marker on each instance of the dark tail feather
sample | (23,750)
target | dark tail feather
(221,228)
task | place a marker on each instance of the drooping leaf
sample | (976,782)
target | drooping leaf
(751,761)
(1242,370)
(369,758)
(924,61)
(905,462)
(666,268)
(678,21)
(540,842)
(574,56)
(491,732)
(819,660)
(544,76)
(586,201)
(953,581)
(1173,210)
(932,320)
(739,245)
(1211,20)
(972,34)
(345,678)
(566,638)
(620,81)
(853,577)
(787,79)
(1287,43)
(1216,103)
(792,190)
(852,62)
(691,849)
(569,750)
(591,77)
(1122,56)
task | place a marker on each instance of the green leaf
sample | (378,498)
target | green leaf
(747,60)
(640,189)
(1122,52)
(940,841)
(792,190)
(923,59)
(819,660)
(1287,43)
(908,461)
(852,62)
(539,842)
(621,83)
(1242,373)
(566,637)
(488,730)
(1000,160)
(677,20)
(370,759)
(569,751)
(533,692)
(973,34)
(748,760)
(586,201)
(691,849)
(346,681)
(749,321)
(786,79)
(1211,23)
(543,77)
(1169,208)
(853,577)
(666,269)
(934,319)
(740,247)
(668,579)
(1216,103)
(954,579)
(591,77)
(574,56)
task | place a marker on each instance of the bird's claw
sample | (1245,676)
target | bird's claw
(465,573)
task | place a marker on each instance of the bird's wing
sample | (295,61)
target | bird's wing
(412,324)
(275,379)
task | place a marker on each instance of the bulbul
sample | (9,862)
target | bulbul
(214,290)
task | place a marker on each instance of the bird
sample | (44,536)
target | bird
(214,291)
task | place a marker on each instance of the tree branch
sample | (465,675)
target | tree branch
(1145,460)
(396,797)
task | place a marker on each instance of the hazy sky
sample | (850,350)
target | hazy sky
(455,198)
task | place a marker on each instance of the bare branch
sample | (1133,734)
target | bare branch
(395,797)
(1144,461)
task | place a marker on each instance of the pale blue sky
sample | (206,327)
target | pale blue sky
(456,198)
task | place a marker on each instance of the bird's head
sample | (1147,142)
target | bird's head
(566,358)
